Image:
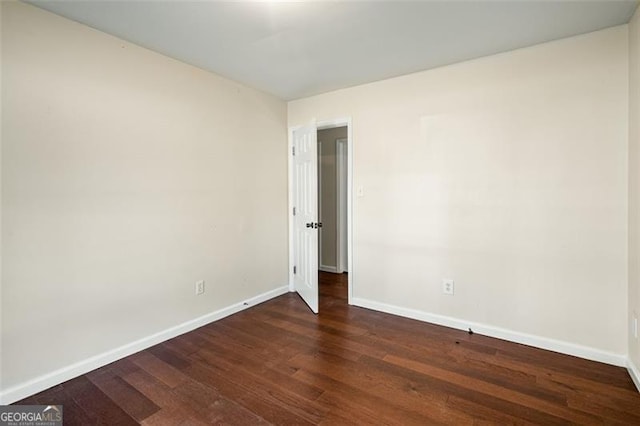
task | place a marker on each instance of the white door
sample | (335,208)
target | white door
(305,219)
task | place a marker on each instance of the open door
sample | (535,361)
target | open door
(305,211)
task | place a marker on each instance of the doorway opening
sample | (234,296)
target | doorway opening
(307,259)
(333,250)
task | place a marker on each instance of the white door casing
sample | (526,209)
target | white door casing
(342,210)
(305,219)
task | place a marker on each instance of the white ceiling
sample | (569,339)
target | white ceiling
(297,49)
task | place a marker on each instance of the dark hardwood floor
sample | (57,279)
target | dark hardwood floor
(277,363)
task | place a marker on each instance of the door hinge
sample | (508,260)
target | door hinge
(295,269)
(294,211)
(293,150)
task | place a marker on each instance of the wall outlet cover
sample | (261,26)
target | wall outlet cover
(447,286)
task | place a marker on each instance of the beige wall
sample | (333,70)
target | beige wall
(507,174)
(634,183)
(328,194)
(126,177)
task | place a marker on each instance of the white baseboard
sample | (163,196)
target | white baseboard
(497,332)
(61,375)
(634,373)
(325,268)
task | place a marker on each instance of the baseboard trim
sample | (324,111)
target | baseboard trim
(497,332)
(325,268)
(634,373)
(61,375)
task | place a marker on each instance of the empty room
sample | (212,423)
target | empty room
(315,212)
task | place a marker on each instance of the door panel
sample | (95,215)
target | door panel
(305,202)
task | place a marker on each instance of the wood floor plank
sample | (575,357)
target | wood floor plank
(99,406)
(605,374)
(297,342)
(504,377)
(123,394)
(484,414)
(258,401)
(159,369)
(169,356)
(367,406)
(73,413)
(278,363)
(285,392)
(175,405)
(241,363)
(399,394)
(172,417)
(490,389)
(270,354)
(210,404)
(309,331)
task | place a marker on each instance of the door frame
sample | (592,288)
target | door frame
(321,125)
(341,208)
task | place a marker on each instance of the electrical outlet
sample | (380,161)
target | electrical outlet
(200,287)
(447,286)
